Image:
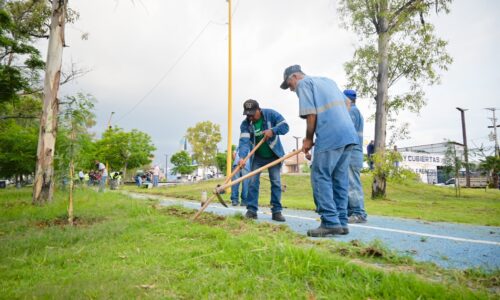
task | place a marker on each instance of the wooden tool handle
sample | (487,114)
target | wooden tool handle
(225,186)
(245,160)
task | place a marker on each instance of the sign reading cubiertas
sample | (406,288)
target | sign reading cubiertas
(423,164)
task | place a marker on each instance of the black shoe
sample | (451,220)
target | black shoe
(356,219)
(323,231)
(234,203)
(251,215)
(345,230)
(278,217)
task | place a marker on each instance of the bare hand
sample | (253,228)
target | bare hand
(307,145)
(241,163)
(268,134)
(308,156)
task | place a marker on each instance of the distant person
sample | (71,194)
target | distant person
(81,175)
(370,150)
(235,189)
(325,109)
(356,203)
(262,124)
(103,172)
(156,175)
(397,157)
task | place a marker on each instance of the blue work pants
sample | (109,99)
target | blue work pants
(254,184)
(356,203)
(330,183)
(236,188)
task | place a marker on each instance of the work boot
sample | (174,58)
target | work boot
(323,231)
(356,219)
(277,216)
(251,215)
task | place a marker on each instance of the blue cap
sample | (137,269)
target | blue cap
(289,71)
(351,94)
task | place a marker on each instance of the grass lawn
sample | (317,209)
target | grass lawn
(406,199)
(124,248)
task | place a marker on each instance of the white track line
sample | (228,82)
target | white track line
(446,237)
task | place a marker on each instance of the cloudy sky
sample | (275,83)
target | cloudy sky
(161,65)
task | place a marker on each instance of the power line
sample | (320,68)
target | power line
(166,73)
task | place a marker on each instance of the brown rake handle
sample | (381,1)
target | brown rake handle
(245,160)
(225,186)
(228,178)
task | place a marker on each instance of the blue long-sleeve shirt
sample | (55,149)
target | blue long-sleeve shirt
(271,120)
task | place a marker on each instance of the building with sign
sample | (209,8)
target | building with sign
(428,160)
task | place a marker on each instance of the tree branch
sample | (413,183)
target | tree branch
(18,117)
(407,7)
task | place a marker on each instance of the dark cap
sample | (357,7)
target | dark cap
(250,107)
(351,94)
(289,71)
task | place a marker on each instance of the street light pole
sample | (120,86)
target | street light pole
(466,151)
(109,121)
(296,148)
(229,97)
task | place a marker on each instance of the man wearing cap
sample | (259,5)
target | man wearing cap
(356,205)
(325,109)
(262,124)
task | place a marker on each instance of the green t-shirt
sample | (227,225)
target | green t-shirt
(264,151)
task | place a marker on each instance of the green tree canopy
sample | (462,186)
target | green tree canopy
(182,163)
(125,150)
(19,136)
(203,138)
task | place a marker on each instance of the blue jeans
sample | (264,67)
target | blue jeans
(330,183)
(254,184)
(356,203)
(155,180)
(236,188)
(102,183)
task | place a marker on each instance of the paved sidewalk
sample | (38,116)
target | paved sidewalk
(448,245)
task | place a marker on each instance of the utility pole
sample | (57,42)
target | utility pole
(109,121)
(229,96)
(495,136)
(43,185)
(466,151)
(297,147)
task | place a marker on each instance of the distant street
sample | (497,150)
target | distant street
(445,244)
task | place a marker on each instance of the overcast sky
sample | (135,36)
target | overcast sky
(146,68)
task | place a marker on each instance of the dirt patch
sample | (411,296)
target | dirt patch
(205,218)
(63,221)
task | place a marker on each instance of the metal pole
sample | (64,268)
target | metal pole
(466,151)
(297,147)
(495,136)
(229,98)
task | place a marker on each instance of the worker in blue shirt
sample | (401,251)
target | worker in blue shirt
(356,204)
(263,124)
(325,109)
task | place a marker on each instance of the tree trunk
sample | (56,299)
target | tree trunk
(379,180)
(43,187)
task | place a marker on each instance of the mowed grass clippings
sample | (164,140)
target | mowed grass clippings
(134,249)
(404,199)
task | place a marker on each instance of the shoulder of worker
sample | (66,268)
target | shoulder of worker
(270,113)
